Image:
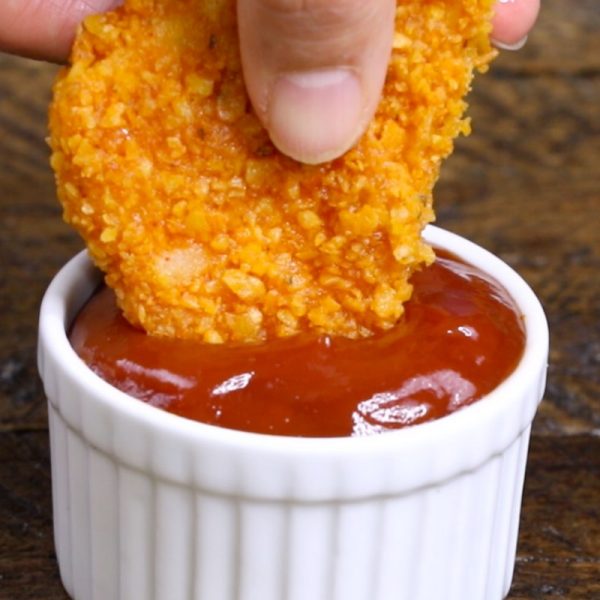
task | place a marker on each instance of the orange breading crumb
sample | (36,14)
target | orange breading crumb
(203,228)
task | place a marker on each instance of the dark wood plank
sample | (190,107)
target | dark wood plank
(559,544)
(28,567)
(34,243)
(565,41)
(526,185)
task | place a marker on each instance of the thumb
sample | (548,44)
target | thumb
(314,70)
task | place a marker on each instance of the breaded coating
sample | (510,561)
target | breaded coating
(203,228)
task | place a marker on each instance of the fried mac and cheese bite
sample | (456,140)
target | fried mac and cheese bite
(203,228)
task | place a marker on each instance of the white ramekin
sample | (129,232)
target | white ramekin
(151,506)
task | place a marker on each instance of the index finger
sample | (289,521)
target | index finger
(42,29)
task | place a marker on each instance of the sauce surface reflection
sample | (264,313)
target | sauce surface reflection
(460,337)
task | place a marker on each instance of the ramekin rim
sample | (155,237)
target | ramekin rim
(54,323)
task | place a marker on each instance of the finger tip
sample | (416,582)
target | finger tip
(512,22)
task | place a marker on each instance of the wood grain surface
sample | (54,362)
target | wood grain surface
(526,185)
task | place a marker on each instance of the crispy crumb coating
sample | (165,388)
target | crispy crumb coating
(203,228)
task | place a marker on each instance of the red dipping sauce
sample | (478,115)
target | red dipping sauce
(459,338)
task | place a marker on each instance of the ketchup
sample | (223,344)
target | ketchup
(459,338)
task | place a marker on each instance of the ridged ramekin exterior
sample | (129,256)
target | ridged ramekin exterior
(149,506)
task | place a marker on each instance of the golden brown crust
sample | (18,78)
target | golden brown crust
(203,228)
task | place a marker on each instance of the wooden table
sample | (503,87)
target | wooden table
(526,185)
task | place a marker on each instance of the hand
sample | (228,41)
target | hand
(314,69)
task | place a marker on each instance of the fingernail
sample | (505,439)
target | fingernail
(314,116)
(516,46)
